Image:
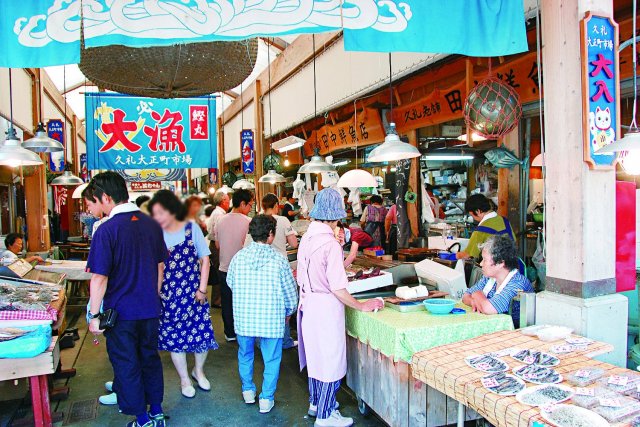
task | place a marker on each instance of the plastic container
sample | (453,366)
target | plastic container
(628,408)
(554,333)
(439,306)
(592,401)
(580,378)
(633,381)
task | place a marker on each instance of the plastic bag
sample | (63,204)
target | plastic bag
(35,342)
(539,260)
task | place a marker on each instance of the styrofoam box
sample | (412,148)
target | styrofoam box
(363,285)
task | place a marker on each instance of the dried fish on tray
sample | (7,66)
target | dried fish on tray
(621,383)
(538,374)
(8,334)
(617,409)
(359,273)
(486,363)
(585,376)
(572,416)
(27,297)
(589,397)
(544,395)
(503,384)
(536,357)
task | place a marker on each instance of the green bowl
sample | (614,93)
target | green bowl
(538,217)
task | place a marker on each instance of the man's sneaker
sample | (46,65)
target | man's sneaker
(335,420)
(109,386)
(249,396)
(230,339)
(158,419)
(109,399)
(313,409)
(134,423)
(266,405)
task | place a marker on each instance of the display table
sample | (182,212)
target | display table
(379,349)
(74,270)
(444,369)
(36,369)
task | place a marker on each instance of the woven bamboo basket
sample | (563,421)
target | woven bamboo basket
(178,71)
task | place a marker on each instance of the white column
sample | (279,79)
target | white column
(580,203)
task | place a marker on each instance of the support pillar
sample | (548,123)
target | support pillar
(580,203)
(259,141)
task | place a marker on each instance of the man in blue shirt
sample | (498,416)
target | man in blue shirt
(127,263)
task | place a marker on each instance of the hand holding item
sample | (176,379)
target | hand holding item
(201,297)
(94,327)
(372,304)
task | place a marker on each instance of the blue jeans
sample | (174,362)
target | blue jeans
(271,349)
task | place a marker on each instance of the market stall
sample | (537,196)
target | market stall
(579,384)
(379,350)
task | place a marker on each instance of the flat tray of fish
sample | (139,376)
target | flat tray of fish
(533,357)
(8,334)
(486,363)
(572,416)
(503,384)
(538,374)
(541,395)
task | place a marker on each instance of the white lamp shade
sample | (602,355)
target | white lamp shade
(538,161)
(475,137)
(392,150)
(77,193)
(357,178)
(272,177)
(67,179)
(288,143)
(630,142)
(41,143)
(12,154)
(316,165)
(226,189)
(243,184)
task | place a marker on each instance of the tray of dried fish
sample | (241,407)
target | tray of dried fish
(503,384)
(542,395)
(617,409)
(536,357)
(538,374)
(572,416)
(585,376)
(8,334)
(621,383)
(589,397)
(486,363)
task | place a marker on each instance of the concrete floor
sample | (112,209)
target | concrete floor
(222,406)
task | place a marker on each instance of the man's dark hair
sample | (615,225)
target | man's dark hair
(376,199)
(109,183)
(269,201)
(169,202)
(502,249)
(240,196)
(140,200)
(477,202)
(289,196)
(261,227)
(208,210)
(11,239)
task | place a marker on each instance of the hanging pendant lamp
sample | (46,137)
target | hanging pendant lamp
(12,154)
(67,179)
(243,184)
(41,143)
(77,193)
(225,189)
(357,178)
(272,177)
(392,149)
(316,165)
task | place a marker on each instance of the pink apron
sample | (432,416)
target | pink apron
(321,322)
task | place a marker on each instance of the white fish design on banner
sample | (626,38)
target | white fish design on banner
(128,20)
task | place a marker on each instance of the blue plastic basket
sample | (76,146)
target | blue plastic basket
(439,306)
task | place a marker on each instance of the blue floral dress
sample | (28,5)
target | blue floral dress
(185,324)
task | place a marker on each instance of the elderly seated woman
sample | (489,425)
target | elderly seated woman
(501,282)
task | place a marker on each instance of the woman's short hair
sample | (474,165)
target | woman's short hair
(169,202)
(261,227)
(477,202)
(191,200)
(502,249)
(376,199)
(269,201)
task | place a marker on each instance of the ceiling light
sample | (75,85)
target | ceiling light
(288,143)
(316,165)
(12,154)
(393,149)
(445,157)
(341,162)
(226,189)
(272,177)
(77,193)
(41,143)
(357,178)
(475,137)
(67,179)
(243,184)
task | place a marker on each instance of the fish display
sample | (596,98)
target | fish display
(544,395)
(536,357)
(486,363)
(538,374)
(503,384)
(503,158)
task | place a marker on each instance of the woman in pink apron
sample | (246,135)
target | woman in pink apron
(323,295)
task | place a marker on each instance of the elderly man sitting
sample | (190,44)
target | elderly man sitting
(501,282)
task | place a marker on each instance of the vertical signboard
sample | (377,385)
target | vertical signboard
(55,130)
(213,176)
(84,172)
(247,151)
(600,80)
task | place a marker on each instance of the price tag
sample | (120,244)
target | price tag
(583,391)
(548,408)
(579,341)
(484,366)
(582,373)
(618,380)
(505,352)
(489,382)
(610,402)
(561,349)
(529,360)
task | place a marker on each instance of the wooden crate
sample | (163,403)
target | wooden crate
(390,390)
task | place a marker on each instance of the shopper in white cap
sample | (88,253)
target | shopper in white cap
(323,295)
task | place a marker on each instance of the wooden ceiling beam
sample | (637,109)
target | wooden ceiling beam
(276,42)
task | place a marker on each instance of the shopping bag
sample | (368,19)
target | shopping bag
(539,260)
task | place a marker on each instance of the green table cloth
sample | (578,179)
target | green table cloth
(399,335)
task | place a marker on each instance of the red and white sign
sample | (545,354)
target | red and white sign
(146,186)
(199,121)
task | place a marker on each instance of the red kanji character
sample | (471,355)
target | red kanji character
(167,138)
(602,64)
(602,90)
(117,130)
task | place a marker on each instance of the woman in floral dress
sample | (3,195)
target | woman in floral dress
(185,325)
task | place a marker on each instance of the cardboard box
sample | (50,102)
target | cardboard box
(363,285)
(373,252)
